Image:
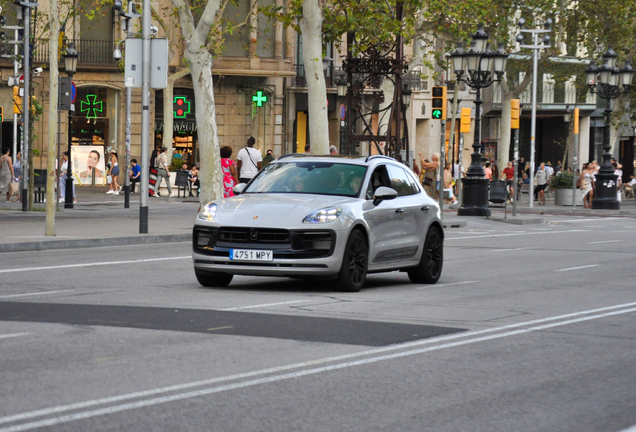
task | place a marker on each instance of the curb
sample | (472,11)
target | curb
(88,243)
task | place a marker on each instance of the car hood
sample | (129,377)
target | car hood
(273,210)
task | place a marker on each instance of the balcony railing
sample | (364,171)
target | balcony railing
(90,51)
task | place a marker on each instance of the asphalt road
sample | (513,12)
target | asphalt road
(530,328)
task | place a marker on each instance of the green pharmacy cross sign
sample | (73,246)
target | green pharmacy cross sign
(180,107)
(259,98)
(91,106)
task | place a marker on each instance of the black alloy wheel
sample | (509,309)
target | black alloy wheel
(353,273)
(430,268)
(213,279)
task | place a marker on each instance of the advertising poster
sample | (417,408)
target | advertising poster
(89,165)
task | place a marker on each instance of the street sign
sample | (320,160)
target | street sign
(73,92)
(343,111)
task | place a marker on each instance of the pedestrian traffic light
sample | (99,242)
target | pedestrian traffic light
(514,114)
(439,103)
(465,120)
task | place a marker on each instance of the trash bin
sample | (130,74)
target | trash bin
(498,192)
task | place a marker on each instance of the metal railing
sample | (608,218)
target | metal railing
(90,51)
(301,81)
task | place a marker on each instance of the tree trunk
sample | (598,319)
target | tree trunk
(311,28)
(53,110)
(210,174)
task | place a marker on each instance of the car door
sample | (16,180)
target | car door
(384,221)
(408,205)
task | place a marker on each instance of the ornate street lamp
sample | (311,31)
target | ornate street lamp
(478,67)
(70,65)
(608,82)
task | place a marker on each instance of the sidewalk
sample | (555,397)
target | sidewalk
(98,219)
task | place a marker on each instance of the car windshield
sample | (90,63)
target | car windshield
(308,177)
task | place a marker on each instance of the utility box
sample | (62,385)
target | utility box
(158,63)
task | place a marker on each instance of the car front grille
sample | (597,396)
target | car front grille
(284,243)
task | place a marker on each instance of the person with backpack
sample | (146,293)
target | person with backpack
(248,161)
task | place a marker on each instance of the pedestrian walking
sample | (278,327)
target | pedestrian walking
(6,172)
(113,173)
(163,172)
(230,177)
(587,185)
(487,171)
(63,177)
(541,177)
(249,161)
(430,174)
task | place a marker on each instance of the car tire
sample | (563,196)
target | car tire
(213,279)
(353,272)
(430,268)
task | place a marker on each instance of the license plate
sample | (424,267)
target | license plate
(251,255)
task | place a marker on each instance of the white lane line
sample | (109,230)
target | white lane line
(184,386)
(7,336)
(605,241)
(578,268)
(263,305)
(94,264)
(516,234)
(508,250)
(2,297)
(285,376)
(629,429)
(446,284)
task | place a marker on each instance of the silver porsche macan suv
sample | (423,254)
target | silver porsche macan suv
(333,217)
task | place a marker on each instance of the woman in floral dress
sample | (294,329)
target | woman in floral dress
(230,178)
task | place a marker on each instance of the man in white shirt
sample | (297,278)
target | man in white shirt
(549,169)
(249,161)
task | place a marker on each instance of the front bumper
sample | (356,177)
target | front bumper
(301,252)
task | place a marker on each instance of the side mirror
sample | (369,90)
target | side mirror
(383,193)
(239,188)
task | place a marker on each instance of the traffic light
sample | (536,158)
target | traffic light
(439,103)
(17,101)
(465,120)
(514,114)
(1,114)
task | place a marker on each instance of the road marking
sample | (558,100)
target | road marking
(594,226)
(446,284)
(7,336)
(578,268)
(278,369)
(629,429)
(516,234)
(508,250)
(605,241)
(220,328)
(2,297)
(94,264)
(269,379)
(263,305)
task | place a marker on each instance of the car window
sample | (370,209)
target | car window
(310,177)
(401,181)
(378,178)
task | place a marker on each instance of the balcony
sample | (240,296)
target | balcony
(91,52)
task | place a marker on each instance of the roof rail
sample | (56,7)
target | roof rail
(377,156)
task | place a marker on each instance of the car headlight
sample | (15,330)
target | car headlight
(207,213)
(324,215)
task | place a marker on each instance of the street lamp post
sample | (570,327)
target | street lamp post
(535,47)
(482,66)
(70,64)
(608,82)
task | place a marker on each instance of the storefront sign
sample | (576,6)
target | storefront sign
(181,107)
(178,127)
(91,106)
